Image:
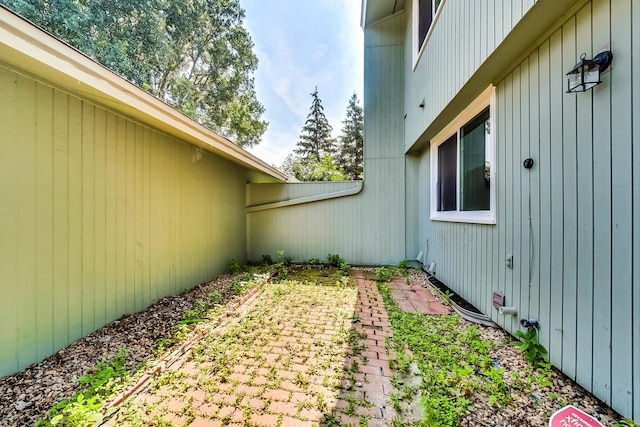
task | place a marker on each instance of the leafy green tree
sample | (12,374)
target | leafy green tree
(323,170)
(193,54)
(350,155)
(310,169)
(289,164)
(315,140)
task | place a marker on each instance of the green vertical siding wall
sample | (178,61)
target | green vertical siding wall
(99,216)
(571,222)
(368,228)
(465,33)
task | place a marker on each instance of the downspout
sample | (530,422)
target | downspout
(308,199)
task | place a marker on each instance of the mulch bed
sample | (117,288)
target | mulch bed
(28,395)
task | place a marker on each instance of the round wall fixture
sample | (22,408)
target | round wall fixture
(528,163)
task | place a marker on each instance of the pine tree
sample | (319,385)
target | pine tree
(351,152)
(315,138)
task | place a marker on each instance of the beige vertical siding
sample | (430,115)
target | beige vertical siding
(571,222)
(100,216)
(368,228)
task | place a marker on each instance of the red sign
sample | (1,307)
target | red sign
(570,416)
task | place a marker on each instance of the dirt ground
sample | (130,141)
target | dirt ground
(302,362)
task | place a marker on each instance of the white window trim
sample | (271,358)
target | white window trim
(417,52)
(486,99)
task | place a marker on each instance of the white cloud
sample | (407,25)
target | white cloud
(302,45)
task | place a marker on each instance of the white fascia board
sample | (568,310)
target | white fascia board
(27,47)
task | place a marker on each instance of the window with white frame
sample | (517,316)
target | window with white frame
(424,13)
(462,172)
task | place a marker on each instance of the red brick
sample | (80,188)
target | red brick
(203,422)
(270,358)
(377,362)
(225,386)
(248,389)
(294,422)
(299,397)
(178,420)
(371,342)
(208,409)
(278,407)
(349,420)
(372,387)
(253,403)
(226,411)
(243,378)
(260,380)
(229,411)
(341,404)
(287,375)
(383,356)
(264,419)
(173,405)
(278,395)
(371,370)
(371,355)
(198,395)
(224,398)
(150,399)
(241,369)
(311,414)
(288,385)
(370,411)
(375,348)
(264,371)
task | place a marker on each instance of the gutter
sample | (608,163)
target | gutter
(359,185)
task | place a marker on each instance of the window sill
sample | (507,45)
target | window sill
(475,217)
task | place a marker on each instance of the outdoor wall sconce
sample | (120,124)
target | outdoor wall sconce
(586,73)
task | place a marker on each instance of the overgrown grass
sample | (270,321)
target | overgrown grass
(453,361)
(110,375)
(278,317)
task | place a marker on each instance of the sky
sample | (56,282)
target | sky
(302,44)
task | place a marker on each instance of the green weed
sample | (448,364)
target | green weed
(384,273)
(99,384)
(453,361)
(627,422)
(234,267)
(335,260)
(534,352)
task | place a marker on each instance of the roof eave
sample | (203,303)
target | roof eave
(31,49)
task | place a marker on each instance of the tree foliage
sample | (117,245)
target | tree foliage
(315,140)
(316,156)
(193,54)
(350,155)
(309,169)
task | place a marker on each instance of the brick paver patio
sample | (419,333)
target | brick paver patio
(293,355)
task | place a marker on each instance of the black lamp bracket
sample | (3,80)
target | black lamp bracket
(603,59)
